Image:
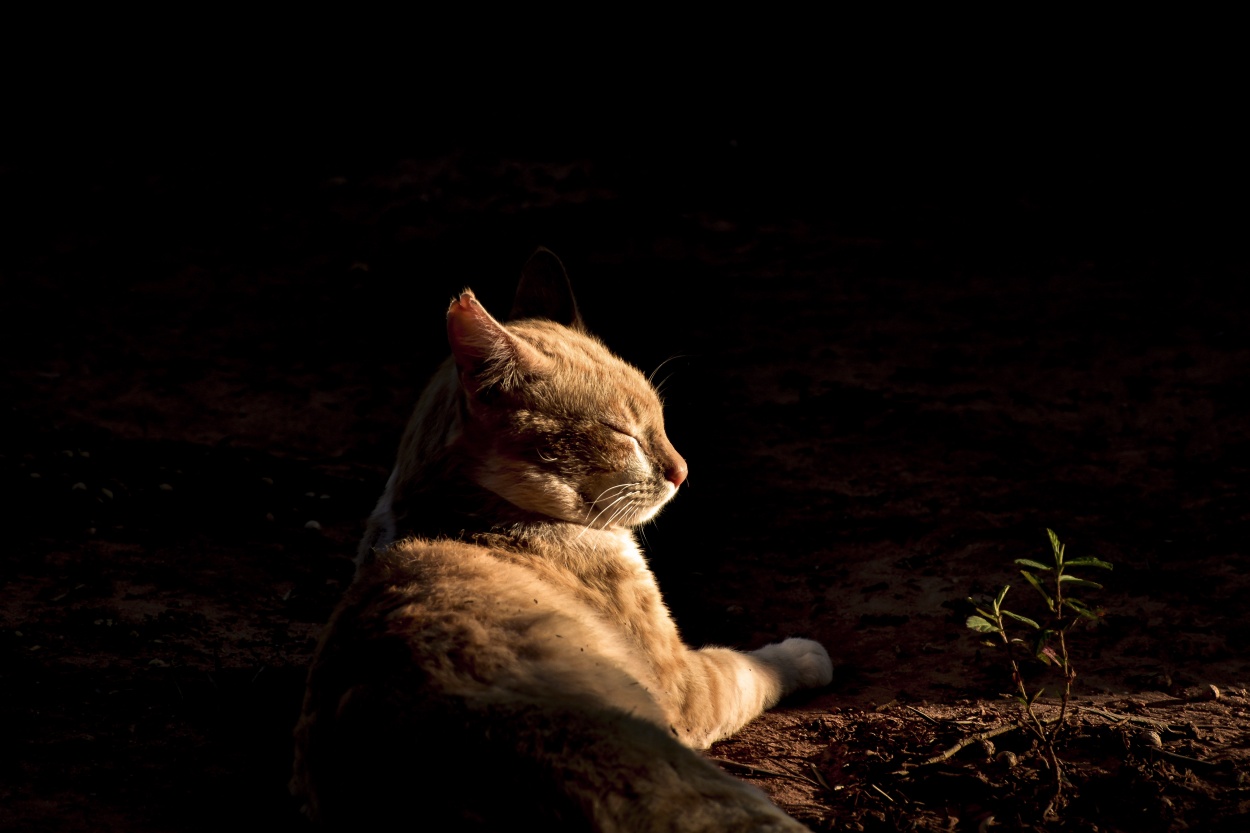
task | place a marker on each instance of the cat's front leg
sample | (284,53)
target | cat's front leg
(800,663)
(723,690)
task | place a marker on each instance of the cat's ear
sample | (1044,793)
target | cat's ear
(544,292)
(486,353)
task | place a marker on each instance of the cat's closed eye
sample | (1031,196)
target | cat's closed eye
(618,429)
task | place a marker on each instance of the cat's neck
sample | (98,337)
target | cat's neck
(446,504)
(551,538)
(430,494)
(464,511)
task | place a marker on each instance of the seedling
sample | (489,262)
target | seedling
(1048,640)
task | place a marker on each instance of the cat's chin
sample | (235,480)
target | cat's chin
(644,514)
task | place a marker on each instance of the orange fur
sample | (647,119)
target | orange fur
(503,616)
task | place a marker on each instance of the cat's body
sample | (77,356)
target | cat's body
(504,658)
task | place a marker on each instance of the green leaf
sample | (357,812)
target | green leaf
(1037,585)
(1080,582)
(1076,604)
(1081,608)
(1002,594)
(1026,620)
(981,625)
(1055,546)
(1036,565)
(1089,562)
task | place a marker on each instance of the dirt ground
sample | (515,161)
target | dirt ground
(887,387)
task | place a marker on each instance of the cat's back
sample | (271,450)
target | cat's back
(439,636)
(446,617)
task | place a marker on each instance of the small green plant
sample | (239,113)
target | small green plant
(1048,639)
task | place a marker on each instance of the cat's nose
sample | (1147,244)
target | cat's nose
(677,470)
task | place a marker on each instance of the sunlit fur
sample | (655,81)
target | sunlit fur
(566,431)
(504,658)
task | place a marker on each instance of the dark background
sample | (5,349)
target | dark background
(909,324)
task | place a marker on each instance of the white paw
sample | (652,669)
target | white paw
(802,662)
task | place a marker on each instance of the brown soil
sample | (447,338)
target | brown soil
(886,391)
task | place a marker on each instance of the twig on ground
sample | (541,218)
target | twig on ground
(749,769)
(934,721)
(883,792)
(1158,724)
(968,741)
(1184,760)
(1204,695)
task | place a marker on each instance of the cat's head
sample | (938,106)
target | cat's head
(552,421)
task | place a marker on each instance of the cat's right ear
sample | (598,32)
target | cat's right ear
(486,353)
(544,292)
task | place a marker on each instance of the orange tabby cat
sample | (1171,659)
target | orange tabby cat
(503,660)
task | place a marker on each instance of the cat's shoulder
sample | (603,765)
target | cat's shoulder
(424,561)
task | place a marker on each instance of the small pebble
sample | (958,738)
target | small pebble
(165,487)
(312,525)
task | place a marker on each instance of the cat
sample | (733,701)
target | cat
(503,659)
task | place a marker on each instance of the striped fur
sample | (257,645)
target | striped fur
(504,658)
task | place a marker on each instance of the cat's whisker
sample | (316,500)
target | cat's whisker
(617,487)
(658,367)
(589,524)
(616,513)
(621,511)
(604,494)
(623,497)
(659,388)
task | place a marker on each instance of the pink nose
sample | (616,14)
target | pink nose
(677,470)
